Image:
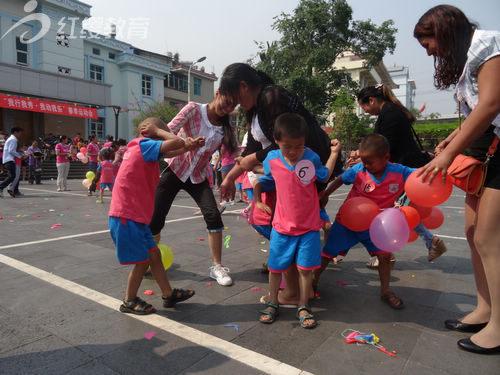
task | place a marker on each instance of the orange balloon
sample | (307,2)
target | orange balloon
(358,213)
(422,211)
(434,220)
(425,194)
(413,236)
(83,150)
(412,216)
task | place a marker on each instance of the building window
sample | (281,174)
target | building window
(96,51)
(146,85)
(197,86)
(64,71)
(21,52)
(96,73)
(97,126)
(178,82)
(112,56)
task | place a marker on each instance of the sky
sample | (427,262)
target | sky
(225,31)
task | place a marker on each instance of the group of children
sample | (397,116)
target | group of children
(287,194)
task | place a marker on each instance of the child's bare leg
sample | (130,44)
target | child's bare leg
(305,281)
(384,272)
(318,271)
(134,281)
(274,286)
(159,273)
(101,194)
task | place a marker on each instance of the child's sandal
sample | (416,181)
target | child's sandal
(178,295)
(272,315)
(308,316)
(137,306)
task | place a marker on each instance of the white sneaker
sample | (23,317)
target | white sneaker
(231,203)
(220,274)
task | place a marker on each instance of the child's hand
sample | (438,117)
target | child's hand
(191,144)
(264,207)
(200,141)
(353,158)
(335,146)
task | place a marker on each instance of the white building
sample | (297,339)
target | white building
(406,91)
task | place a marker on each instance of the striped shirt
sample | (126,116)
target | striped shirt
(484,46)
(192,121)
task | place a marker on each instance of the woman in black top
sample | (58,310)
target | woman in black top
(395,123)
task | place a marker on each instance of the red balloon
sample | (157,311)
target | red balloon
(412,216)
(413,236)
(434,220)
(358,213)
(83,150)
(425,194)
(422,211)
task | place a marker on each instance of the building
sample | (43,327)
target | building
(56,77)
(406,90)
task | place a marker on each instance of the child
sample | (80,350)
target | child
(293,171)
(382,182)
(106,171)
(132,207)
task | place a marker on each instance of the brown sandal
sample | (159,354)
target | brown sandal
(393,300)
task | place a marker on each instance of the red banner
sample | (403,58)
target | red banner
(45,106)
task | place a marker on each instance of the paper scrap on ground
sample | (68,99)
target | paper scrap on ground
(341,283)
(226,241)
(148,292)
(149,335)
(256,289)
(236,326)
(208,284)
(263,250)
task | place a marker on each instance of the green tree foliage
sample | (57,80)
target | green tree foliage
(312,38)
(348,128)
(162,110)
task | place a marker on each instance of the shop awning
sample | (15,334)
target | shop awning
(45,106)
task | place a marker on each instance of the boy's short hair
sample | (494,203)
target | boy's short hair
(290,125)
(16,129)
(159,123)
(105,153)
(376,144)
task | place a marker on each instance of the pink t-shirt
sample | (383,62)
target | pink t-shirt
(92,149)
(107,172)
(108,144)
(297,203)
(227,158)
(62,149)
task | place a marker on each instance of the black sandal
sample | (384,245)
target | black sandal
(308,316)
(175,298)
(272,315)
(137,306)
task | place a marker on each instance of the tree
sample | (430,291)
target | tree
(311,40)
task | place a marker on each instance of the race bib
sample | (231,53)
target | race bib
(305,171)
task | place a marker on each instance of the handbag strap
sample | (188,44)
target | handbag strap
(416,137)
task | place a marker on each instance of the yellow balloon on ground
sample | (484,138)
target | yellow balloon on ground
(86,182)
(167,256)
(90,175)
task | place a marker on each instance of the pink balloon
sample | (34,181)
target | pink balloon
(85,160)
(434,220)
(80,156)
(425,194)
(389,230)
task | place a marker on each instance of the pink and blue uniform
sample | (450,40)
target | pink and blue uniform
(107,170)
(296,224)
(383,191)
(132,204)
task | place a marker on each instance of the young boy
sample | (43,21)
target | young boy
(105,171)
(292,171)
(382,182)
(132,207)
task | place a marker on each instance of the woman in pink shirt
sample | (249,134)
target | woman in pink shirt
(62,163)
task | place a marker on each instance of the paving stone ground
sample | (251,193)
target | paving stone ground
(45,329)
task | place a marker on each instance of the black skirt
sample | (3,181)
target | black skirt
(479,148)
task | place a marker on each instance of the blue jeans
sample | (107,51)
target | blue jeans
(425,233)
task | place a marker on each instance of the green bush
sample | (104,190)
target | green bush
(431,134)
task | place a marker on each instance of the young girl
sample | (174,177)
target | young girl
(189,172)
(106,170)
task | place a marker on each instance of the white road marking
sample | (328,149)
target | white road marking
(248,357)
(452,237)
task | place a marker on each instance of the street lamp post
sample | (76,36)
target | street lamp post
(189,75)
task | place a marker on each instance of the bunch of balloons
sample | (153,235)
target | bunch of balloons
(82,155)
(393,228)
(89,178)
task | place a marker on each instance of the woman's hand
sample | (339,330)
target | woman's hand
(335,146)
(441,146)
(440,163)
(226,188)
(264,207)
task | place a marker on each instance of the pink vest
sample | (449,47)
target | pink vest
(135,186)
(107,172)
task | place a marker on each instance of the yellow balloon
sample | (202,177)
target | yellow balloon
(167,256)
(90,175)
(86,182)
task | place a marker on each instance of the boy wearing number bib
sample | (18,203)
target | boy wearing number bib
(295,241)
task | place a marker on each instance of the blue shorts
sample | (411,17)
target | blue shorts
(265,230)
(133,240)
(341,239)
(249,194)
(227,168)
(239,186)
(303,250)
(323,215)
(109,185)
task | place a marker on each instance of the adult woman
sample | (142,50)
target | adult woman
(394,122)
(188,171)
(62,163)
(470,59)
(35,163)
(263,102)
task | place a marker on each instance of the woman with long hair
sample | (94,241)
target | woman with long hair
(62,163)
(469,59)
